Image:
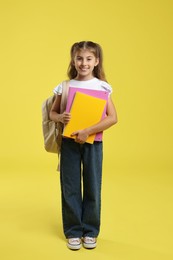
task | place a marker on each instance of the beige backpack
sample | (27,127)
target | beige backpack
(52,132)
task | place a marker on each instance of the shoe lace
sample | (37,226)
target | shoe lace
(75,240)
(90,239)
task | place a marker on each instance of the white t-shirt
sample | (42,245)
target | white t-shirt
(93,83)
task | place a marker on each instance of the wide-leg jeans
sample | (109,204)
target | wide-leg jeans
(81,177)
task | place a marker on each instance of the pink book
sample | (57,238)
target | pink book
(95,93)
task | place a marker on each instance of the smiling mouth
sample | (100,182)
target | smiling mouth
(83,69)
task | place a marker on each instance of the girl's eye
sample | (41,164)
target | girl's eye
(81,59)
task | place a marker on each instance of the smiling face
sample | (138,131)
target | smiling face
(84,62)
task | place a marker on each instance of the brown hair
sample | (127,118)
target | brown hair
(96,49)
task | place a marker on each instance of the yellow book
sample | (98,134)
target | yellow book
(85,111)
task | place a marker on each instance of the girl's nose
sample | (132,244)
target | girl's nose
(83,62)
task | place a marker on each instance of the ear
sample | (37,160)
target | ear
(97,62)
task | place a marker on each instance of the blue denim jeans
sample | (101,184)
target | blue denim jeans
(81,177)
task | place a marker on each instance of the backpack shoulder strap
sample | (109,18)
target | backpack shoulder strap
(65,88)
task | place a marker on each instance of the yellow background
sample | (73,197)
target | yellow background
(137,204)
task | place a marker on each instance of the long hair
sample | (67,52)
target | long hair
(96,49)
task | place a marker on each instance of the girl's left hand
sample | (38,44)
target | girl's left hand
(81,136)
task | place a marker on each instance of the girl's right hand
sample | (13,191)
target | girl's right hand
(65,118)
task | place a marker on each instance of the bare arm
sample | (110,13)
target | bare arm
(55,112)
(104,124)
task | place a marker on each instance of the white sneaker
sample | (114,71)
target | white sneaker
(74,243)
(89,242)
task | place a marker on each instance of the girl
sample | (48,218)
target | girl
(80,160)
